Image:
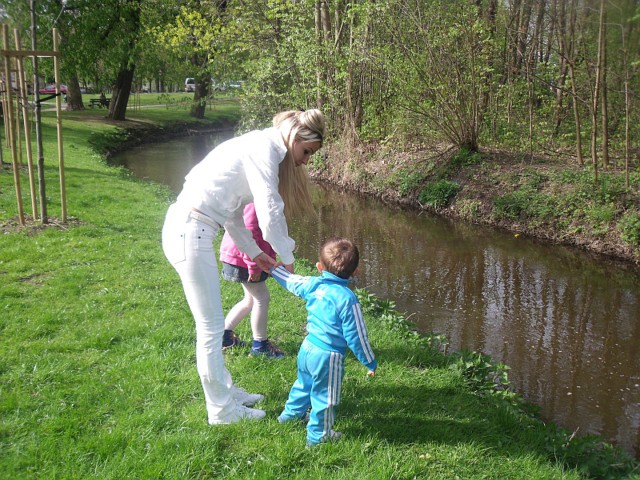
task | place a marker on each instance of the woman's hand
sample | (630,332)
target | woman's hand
(255,277)
(264,261)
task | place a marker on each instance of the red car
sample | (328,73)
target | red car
(51,89)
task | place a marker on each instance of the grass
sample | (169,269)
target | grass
(98,377)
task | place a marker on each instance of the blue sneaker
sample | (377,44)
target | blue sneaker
(266,348)
(230,340)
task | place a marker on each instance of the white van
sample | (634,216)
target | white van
(190,85)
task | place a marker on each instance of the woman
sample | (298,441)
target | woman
(260,167)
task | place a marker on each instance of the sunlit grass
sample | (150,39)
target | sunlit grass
(98,377)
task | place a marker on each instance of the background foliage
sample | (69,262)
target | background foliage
(530,75)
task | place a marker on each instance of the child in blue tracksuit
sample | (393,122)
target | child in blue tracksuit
(334,322)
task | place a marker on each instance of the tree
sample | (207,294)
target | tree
(196,35)
(441,68)
(126,23)
(571,61)
(596,92)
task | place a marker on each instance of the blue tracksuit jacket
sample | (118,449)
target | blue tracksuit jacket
(334,322)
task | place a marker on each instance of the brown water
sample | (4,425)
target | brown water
(566,322)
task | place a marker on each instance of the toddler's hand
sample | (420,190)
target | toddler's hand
(371,373)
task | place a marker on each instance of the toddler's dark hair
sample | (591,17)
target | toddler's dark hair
(339,256)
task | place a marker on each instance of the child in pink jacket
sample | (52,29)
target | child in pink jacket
(238,267)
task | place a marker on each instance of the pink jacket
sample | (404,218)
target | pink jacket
(229,253)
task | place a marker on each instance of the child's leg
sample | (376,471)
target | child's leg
(239,310)
(327,370)
(299,401)
(259,312)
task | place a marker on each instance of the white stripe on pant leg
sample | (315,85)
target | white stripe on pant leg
(326,420)
(333,391)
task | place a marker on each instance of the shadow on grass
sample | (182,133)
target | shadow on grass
(416,398)
(412,415)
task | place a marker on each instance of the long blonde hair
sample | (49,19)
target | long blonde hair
(293,185)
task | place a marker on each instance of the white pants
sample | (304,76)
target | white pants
(255,301)
(187,241)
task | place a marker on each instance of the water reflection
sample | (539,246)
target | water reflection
(169,162)
(565,322)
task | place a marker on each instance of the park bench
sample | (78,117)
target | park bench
(96,102)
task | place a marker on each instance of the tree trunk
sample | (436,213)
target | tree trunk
(200,96)
(74,96)
(561,28)
(596,96)
(537,45)
(319,46)
(44,218)
(490,18)
(329,49)
(627,101)
(511,40)
(120,94)
(519,47)
(572,73)
(603,88)
(552,27)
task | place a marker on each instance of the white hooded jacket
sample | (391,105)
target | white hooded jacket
(239,171)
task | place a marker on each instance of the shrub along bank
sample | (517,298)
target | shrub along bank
(98,378)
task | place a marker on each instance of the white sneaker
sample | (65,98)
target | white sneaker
(250,413)
(240,413)
(245,398)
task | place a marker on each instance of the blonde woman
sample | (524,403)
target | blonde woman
(265,167)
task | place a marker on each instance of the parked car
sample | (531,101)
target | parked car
(217,86)
(190,85)
(51,88)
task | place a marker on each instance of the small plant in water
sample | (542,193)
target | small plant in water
(481,373)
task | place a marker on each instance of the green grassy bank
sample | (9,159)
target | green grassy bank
(97,364)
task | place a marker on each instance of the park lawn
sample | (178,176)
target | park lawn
(97,364)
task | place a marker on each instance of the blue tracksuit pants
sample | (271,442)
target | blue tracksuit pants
(318,387)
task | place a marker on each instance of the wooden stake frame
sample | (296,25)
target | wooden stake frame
(11,121)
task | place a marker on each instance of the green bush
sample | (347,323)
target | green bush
(468,209)
(522,204)
(510,206)
(629,226)
(465,158)
(406,181)
(601,213)
(439,194)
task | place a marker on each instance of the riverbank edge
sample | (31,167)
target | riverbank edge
(376,171)
(136,136)
(127,136)
(482,180)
